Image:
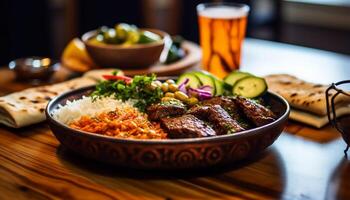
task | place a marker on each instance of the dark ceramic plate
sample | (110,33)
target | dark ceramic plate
(170,153)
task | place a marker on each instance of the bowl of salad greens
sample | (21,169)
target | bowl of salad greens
(126,46)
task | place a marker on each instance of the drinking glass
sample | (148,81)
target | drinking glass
(222,28)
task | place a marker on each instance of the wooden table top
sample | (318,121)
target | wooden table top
(304,163)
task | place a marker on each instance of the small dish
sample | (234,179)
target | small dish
(168,153)
(36,69)
(125,57)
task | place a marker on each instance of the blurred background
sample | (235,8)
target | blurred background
(44,27)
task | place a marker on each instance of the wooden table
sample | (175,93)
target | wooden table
(304,163)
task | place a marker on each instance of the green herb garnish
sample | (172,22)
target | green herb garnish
(140,89)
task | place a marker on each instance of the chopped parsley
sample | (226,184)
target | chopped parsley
(140,89)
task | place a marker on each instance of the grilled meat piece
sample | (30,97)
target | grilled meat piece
(202,112)
(226,103)
(165,109)
(186,126)
(257,113)
(231,107)
(218,117)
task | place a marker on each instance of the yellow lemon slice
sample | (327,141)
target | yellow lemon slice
(76,58)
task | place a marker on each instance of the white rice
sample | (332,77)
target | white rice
(73,110)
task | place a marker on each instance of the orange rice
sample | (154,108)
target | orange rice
(123,123)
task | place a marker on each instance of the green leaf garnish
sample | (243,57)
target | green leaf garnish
(139,89)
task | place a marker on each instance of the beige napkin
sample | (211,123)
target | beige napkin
(307,100)
(27,106)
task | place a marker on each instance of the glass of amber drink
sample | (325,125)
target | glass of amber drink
(222,28)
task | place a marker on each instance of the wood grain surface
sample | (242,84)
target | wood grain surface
(304,163)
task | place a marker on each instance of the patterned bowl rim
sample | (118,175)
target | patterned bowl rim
(241,134)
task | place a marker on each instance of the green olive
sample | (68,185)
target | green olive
(148,37)
(192,101)
(166,99)
(110,37)
(99,38)
(170,94)
(122,30)
(170,81)
(132,38)
(102,30)
(165,87)
(96,40)
(181,96)
(173,87)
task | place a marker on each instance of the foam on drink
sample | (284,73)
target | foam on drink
(223,12)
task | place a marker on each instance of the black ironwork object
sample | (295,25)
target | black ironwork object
(341,124)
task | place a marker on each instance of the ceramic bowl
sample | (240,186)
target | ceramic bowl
(125,57)
(168,153)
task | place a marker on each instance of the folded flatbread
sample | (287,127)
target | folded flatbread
(28,106)
(308,100)
(303,95)
(316,120)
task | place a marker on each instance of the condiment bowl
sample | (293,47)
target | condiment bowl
(168,153)
(33,68)
(125,57)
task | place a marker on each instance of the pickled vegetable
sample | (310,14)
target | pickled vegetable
(192,101)
(170,94)
(110,37)
(122,31)
(173,87)
(124,34)
(170,81)
(165,87)
(148,37)
(181,96)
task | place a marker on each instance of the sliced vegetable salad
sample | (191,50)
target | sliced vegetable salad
(236,83)
(190,88)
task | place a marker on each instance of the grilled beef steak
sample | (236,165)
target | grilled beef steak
(231,107)
(186,126)
(168,109)
(226,103)
(202,112)
(218,117)
(257,113)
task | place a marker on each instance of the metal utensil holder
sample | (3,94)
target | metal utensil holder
(331,109)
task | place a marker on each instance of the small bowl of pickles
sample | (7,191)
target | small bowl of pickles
(125,46)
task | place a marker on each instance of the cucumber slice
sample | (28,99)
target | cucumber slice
(250,87)
(233,77)
(219,86)
(194,81)
(206,79)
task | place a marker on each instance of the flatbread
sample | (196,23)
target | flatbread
(98,73)
(316,120)
(28,106)
(303,95)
